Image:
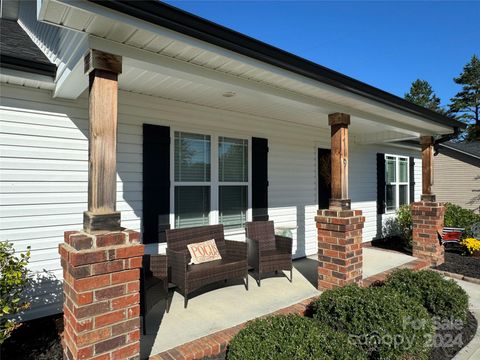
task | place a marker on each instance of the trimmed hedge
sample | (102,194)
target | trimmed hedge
(382,322)
(291,337)
(441,297)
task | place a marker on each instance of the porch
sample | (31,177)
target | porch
(220,306)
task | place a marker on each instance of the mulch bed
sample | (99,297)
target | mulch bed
(453,339)
(35,340)
(461,264)
(392,243)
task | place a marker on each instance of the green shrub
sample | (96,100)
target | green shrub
(290,337)
(405,224)
(13,280)
(442,298)
(456,216)
(384,323)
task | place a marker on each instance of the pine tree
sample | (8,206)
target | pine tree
(465,105)
(421,93)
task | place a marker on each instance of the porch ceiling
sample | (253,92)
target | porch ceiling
(163,63)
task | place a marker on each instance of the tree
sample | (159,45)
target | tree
(421,93)
(465,105)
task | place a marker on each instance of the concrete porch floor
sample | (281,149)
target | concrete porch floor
(222,306)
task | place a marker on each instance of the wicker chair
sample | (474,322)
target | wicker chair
(189,278)
(268,252)
(154,270)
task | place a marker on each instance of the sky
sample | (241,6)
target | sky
(387,44)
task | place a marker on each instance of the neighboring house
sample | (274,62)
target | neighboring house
(457,174)
(213,127)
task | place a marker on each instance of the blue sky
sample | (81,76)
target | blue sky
(386,44)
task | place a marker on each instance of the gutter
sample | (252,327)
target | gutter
(180,21)
(13,63)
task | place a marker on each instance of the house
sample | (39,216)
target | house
(212,127)
(457,174)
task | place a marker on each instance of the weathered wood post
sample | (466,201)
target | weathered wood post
(101,263)
(427,214)
(339,228)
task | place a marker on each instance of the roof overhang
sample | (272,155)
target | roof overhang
(162,44)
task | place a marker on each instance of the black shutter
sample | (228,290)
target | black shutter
(156,182)
(380,183)
(411,165)
(259,179)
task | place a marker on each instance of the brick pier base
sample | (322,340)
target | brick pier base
(101,295)
(427,218)
(339,247)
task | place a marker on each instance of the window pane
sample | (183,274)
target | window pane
(232,159)
(403,170)
(233,206)
(391,197)
(192,157)
(390,169)
(403,196)
(192,206)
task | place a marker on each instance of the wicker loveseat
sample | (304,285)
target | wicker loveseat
(189,278)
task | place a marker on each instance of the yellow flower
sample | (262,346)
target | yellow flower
(471,244)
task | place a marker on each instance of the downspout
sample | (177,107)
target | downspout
(444,138)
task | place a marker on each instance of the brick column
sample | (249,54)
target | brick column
(427,218)
(101,294)
(340,258)
(427,214)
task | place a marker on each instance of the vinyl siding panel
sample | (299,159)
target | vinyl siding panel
(457,181)
(44,162)
(363,184)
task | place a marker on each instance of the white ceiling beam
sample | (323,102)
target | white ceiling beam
(176,68)
(382,137)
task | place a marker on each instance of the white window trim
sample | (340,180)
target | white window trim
(214,182)
(397,183)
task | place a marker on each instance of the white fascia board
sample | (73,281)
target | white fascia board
(44,79)
(406,119)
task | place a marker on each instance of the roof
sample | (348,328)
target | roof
(175,19)
(470,149)
(19,52)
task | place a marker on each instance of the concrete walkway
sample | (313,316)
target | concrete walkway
(376,261)
(226,305)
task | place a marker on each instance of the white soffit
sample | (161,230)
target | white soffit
(119,28)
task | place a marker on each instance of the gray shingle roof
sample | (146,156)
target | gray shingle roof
(472,148)
(19,52)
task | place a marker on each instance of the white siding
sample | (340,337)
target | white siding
(363,183)
(43,163)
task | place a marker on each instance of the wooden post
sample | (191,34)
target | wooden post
(427,168)
(103,70)
(339,177)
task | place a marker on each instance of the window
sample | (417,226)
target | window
(211,182)
(233,181)
(192,179)
(396,182)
